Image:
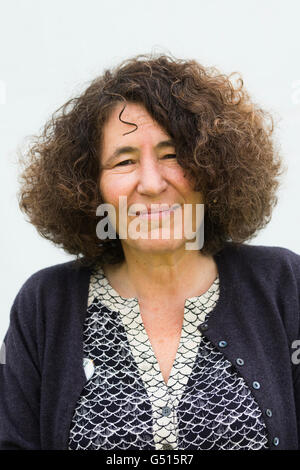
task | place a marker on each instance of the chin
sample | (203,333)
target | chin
(156,245)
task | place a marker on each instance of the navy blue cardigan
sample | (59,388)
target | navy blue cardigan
(254,324)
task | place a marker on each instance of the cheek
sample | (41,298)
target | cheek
(193,197)
(181,179)
(111,187)
(106,190)
(102,190)
(187,188)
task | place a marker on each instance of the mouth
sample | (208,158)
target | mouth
(156,213)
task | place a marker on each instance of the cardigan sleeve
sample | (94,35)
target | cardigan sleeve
(297,402)
(295,341)
(295,344)
(295,356)
(20,379)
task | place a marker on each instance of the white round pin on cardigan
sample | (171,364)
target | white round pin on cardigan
(89,368)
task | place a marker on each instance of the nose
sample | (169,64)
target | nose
(151,177)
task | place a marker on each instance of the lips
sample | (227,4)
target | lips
(150,211)
(153,212)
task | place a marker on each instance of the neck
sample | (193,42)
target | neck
(180,274)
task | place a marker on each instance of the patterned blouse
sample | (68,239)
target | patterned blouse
(126,403)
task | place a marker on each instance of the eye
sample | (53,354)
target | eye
(124,162)
(172,155)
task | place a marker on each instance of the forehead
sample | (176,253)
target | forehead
(135,118)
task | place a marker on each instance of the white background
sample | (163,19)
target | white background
(51,49)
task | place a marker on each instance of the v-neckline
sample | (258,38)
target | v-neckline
(137,336)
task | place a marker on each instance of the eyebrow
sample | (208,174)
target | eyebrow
(128,149)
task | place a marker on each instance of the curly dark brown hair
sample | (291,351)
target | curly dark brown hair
(223,141)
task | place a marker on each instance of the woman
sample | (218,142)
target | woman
(144,342)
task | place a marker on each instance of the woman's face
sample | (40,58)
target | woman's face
(142,166)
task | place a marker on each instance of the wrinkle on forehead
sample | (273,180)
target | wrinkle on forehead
(118,132)
(135,114)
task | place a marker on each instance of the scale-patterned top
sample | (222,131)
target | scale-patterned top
(126,403)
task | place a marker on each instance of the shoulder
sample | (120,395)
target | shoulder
(48,300)
(268,276)
(267,260)
(54,274)
(50,285)
(273,270)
